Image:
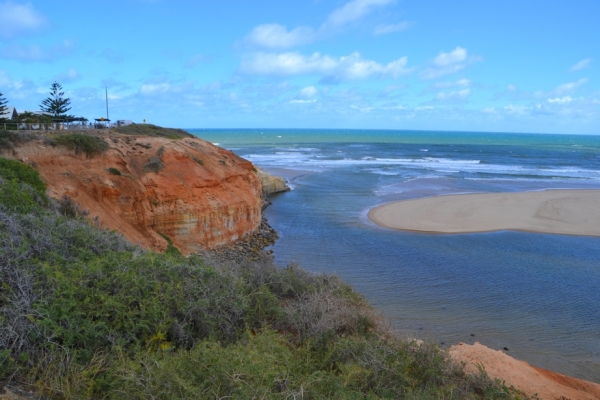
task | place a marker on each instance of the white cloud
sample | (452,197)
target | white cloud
(308,92)
(353,11)
(561,100)
(449,63)
(581,65)
(461,82)
(35,53)
(151,89)
(518,109)
(300,101)
(568,87)
(278,37)
(452,58)
(453,95)
(511,88)
(18,18)
(348,67)
(391,28)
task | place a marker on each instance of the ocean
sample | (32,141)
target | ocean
(538,295)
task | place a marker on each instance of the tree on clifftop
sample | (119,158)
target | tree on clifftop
(56,104)
(3,107)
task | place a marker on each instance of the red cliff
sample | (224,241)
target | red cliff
(197,194)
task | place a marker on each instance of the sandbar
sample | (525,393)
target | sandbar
(568,212)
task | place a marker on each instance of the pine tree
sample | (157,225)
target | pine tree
(56,104)
(3,107)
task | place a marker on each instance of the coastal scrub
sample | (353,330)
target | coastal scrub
(85,314)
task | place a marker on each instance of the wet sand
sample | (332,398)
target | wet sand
(568,212)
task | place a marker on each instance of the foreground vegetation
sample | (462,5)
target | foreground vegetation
(85,314)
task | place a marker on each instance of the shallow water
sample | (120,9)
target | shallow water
(536,294)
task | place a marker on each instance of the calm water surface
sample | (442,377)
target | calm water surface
(536,294)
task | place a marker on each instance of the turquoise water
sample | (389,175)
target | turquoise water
(536,294)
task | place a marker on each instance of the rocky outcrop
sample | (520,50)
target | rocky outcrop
(149,188)
(546,384)
(272,184)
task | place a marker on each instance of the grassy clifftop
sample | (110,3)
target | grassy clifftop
(152,130)
(85,314)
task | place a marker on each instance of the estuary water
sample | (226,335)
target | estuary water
(536,294)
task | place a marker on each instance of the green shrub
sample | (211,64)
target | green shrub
(23,173)
(67,207)
(155,164)
(81,143)
(21,188)
(114,171)
(10,139)
(199,161)
(171,250)
(84,314)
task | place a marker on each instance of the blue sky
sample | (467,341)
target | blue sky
(515,66)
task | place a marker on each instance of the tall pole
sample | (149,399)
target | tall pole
(106,93)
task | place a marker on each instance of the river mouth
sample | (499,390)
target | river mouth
(535,294)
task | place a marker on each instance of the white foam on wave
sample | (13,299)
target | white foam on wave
(297,149)
(307,159)
(383,172)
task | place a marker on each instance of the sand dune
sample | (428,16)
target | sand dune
(570,212)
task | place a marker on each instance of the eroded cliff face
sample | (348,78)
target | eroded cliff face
(195,193)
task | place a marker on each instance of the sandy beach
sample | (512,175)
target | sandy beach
(569,212)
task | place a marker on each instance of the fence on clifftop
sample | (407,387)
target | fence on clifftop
(52,126)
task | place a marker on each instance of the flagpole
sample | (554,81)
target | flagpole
(106,93)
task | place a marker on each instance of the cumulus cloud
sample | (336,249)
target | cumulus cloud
(561,100)
(305,95)
(302,101)
(391,28)
(18,18)
(308,92)
(36,53)
(150,89)
(516,109)
(458,83)
(566,88)
(453,95)
(353,11)
(581,65)
(348,67)
(278,37)
(449,63)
